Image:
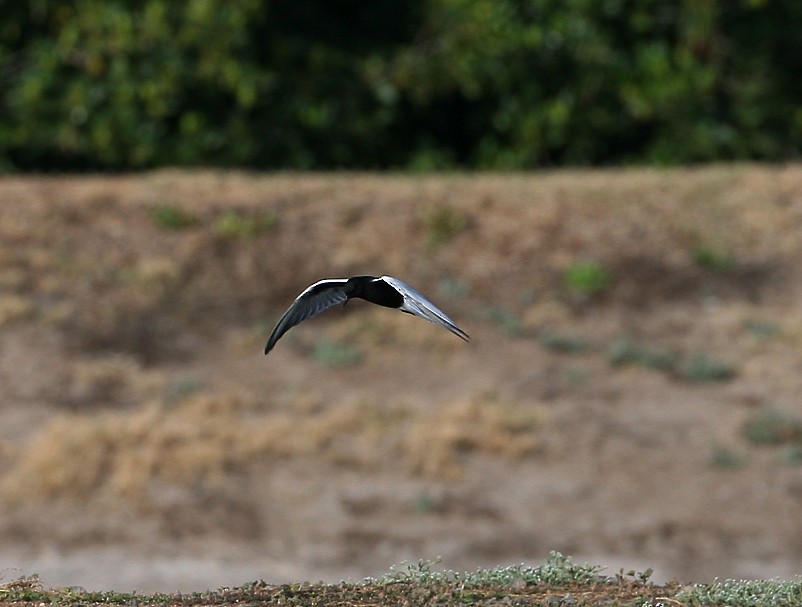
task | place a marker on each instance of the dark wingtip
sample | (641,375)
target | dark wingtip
(460,333)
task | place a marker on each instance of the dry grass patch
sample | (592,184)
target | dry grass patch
(203,439)
(195,442)
(14,307)
(111,381)
(436,444)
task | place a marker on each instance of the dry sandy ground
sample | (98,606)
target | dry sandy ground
(147,443)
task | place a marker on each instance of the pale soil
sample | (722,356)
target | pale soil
(147,443)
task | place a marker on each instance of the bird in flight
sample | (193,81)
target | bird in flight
(384,291)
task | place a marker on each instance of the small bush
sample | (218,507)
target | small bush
(557,571)
(587,278)
(791,455)
(768,426)
(509,323)
(763,329)
(558,342)
(334,354)
(743,593)
(452,288)
(701,368)
(626,352)
(171,217)
(239,225)
(726,457)
(442,224)
(712,259)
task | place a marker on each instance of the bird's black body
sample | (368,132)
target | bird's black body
(374,290)
(384,291)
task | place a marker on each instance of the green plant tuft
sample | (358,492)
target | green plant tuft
(701,368)
(557,571)
(239,225)
(509,323)
(791,455)
(763,329)
(587,278)
(743,593)
(712,259)
(725,457)
(625,352)
(769,426)
(171,217)
(451,288)
(559,342)
(334,354)
(442,224)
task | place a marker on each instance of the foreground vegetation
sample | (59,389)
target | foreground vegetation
(558,581)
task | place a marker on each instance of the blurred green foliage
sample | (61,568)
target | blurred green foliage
(626,352)
(770,426)
(171,217)
(716,260)
(335,354)
(237,224)
(587,277)
(702,368)
(442,224)
(428,84)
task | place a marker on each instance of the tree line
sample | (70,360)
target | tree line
(397,84)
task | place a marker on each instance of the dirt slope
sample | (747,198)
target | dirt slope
(630,395)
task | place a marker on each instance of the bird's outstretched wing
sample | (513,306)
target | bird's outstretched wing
(314,300)
(415,303)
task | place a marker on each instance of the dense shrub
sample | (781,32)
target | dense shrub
(98,84)
(592,82)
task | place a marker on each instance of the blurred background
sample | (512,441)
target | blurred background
(427,84)
(174,174)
